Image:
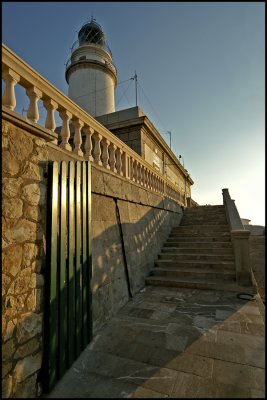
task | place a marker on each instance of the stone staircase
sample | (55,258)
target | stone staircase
(198,254)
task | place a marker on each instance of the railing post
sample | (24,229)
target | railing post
(105,153)
(125,167)
(34,95)
(65,130)
(50,106)
(78,124)
(112,159)
(119,161)
(239,237)
(97,148)
(9,98)
(88,142)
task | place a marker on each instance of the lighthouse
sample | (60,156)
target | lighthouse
(90,72)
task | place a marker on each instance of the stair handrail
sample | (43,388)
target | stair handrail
(240,241)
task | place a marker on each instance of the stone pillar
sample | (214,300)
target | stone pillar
(105,153)
(65,130)
(50,106)
(88,143)
(78,124)
(34,95)
(242,258)
(9,98)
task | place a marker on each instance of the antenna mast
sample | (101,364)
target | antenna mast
(135,79)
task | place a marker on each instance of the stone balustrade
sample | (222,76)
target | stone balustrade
(101,146)
(239,237)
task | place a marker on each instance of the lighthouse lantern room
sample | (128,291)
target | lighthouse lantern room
(90,72)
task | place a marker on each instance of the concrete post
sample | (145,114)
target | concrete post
(242,258)
(239,237)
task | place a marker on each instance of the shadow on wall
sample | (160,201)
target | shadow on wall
(127,238)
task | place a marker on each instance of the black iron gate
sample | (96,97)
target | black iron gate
(68,313)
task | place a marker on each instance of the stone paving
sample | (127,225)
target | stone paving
(174,342)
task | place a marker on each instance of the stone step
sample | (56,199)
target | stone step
(197,235)
(196,256)
(198,284)
(198,245)
(204,273)
(200,228)
(221,265)
(197,250)
(197,239)
(204,210)
(204,221)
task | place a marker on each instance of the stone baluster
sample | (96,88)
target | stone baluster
(97,148)
(34,95)
(88,142)
(145,177)
(78,124)
(131,168)
(142,175)
(50,106)
(65,130)
(119,161)
(137,172)
(9,97)
(105,153)
(125,166)
(134,165)
(148,179)
(112,159)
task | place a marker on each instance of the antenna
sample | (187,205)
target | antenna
(135,79)
(170,133)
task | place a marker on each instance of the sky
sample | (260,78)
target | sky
(201,75)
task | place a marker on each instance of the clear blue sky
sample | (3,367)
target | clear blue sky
(200,67)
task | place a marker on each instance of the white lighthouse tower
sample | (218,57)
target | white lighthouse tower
(90,72)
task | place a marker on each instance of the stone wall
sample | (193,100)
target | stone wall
(23,233)
(129,227)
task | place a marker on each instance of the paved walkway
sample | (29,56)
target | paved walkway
(170,342)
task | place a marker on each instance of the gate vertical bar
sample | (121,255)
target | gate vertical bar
(71,275)
(78,277)
(62,279)
(51,308)
(84,256)
(89,254)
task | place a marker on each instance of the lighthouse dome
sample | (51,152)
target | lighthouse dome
(91,33)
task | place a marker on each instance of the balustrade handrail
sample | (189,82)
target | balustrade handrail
(231,211)
(108,150)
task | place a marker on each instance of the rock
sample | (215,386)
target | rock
(37,281)
(39,155)
(27,367)
(32,212)
(27,348)
(4,142)
(34,194)
(10,164)
(30,251)
(12,208)
(24,230)
(26,389)
(32,171)
(7,387)
(34,300)
(20,143)
(23,281)
(6,368)
(9,331)
(5,283)
(8,350)
(11,186)
(29,326)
